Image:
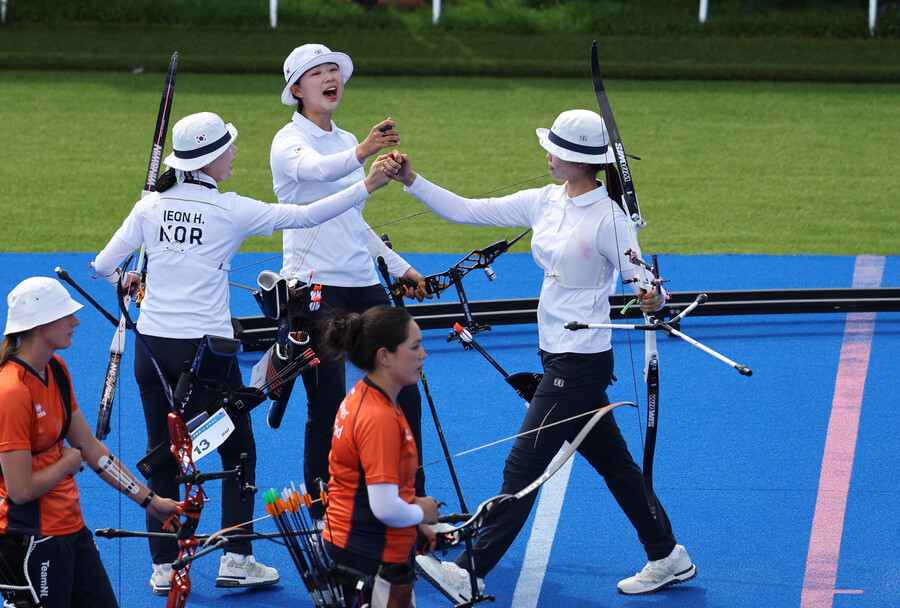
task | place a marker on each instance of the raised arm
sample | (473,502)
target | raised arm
(322,210)
(513,210)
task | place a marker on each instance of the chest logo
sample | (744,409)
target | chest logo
(41,412)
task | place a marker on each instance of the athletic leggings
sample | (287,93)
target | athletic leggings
(64,571)
(572,384)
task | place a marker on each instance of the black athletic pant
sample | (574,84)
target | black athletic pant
(349,567)
(174,357)
(65,571)
(326,383)
(572,384)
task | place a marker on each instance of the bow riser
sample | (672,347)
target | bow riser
(646,282)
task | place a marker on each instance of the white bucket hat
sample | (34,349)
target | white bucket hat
(37,301)
(199,139)
(578,136)
(305,58)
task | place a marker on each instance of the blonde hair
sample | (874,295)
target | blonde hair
(10,346)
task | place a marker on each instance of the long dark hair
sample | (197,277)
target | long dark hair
(361,335)
(166,180)
(614,184)
(169,178)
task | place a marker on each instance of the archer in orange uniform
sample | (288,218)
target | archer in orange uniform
(47,554)
(373,513)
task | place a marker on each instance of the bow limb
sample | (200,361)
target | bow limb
(488,507)
(646,278)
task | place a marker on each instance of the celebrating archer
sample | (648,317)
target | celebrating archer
(576,225)
(312,157)
(191,232)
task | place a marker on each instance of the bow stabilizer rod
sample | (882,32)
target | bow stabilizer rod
(667,326)
(62,274)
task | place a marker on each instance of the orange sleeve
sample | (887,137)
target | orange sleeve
(378,438)
(15,413)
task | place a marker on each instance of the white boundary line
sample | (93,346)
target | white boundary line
(540,542)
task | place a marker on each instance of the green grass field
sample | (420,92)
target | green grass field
(728,167)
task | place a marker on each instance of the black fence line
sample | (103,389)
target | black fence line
(258,333)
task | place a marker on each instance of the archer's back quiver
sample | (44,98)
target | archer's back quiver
(212,365)
(280,391)
(200,391)
(290,354)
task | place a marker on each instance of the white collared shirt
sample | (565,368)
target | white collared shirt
(307,164)
(575,242)
(191,232)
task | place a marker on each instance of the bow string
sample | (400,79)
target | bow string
(490,507)
(646,275)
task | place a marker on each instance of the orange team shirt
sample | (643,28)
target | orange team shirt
(31,418)
(371,443)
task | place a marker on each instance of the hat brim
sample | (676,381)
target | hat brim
(192,164)
(14,326)
(342,60)
(572,156)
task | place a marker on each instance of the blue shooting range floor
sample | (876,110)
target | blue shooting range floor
(782,486)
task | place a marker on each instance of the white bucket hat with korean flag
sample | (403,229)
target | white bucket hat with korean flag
(578,136)
(305,58)
(37,301)
(199,139)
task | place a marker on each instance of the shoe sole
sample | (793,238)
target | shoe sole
(676,580)
(236,584)
(437,585)
(161,591)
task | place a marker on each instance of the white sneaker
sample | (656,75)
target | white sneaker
(249,574)
(160,580)
(659,574)
(448,578)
